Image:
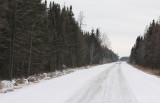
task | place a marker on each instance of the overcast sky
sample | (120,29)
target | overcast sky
(121,20)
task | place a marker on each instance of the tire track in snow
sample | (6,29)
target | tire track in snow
(109,87)
(118,90)
(91,89)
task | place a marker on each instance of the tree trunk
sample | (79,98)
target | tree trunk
(30,55)
(12,43)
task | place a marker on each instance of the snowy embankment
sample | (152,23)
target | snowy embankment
(8,86)
(109,83)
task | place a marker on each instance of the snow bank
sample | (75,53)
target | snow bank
(8,86)
(57,90)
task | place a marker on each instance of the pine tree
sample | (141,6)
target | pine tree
(35,39)
(146,50)
(4,40)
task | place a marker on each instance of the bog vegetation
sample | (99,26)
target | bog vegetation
(35,39)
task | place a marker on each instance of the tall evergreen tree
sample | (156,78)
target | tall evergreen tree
(146,50)
(35,39)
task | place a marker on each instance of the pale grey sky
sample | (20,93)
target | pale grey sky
(121,20)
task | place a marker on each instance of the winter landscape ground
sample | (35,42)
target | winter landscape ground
(110,83)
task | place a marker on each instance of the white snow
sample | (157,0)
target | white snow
(145,87)
(109,83)
(8,86)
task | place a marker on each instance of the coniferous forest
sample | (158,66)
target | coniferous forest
(35,38)
(146,51)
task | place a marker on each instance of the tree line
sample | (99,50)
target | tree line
(146,51)
(35,38)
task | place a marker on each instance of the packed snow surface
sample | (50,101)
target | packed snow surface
(109,83)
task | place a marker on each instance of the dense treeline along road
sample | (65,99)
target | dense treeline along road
(35,39)
(108,83)
(146,51)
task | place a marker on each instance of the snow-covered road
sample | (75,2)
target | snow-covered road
(109,83)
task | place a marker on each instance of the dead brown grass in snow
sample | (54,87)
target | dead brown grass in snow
(148,70)
(0,85)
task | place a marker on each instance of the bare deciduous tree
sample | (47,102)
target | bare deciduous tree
(81,20)
(105,40)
